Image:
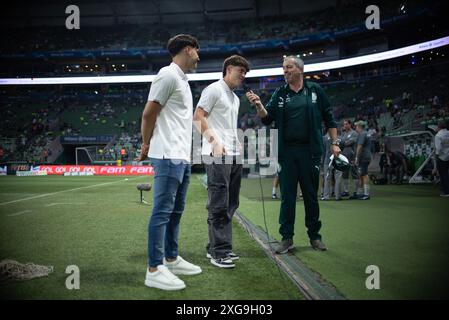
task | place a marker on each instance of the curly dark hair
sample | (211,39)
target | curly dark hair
(235,60)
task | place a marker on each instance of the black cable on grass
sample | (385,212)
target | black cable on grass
(268,239)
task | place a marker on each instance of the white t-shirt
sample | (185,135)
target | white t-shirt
(172,135)
(442,144)
(222,106)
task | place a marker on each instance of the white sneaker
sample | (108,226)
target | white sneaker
(180,266)
(163,279)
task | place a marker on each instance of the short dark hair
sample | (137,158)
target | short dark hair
(179,42)
(235,60)
(442,124)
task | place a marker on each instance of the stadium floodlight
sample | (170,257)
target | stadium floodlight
(313,67)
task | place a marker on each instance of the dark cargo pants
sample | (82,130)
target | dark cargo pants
(223,184)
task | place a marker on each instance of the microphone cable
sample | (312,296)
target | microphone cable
(271,249)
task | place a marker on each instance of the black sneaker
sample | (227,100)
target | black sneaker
(355,196)
(344,194)
(274,196)
(222,262)
(231,255)
(318,245)
(284,246)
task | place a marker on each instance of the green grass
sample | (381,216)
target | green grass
(103,230)
(402,229)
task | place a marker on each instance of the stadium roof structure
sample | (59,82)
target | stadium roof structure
(118,12)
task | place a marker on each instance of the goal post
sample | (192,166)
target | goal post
(418,147)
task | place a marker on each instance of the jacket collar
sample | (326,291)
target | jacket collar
(306,84)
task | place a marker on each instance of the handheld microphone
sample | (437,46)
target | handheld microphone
(248,89)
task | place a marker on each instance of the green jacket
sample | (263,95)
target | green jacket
(319,111)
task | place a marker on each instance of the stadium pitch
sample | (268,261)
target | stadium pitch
(100,225)
(402,230)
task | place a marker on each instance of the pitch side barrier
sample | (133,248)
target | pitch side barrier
(96,170)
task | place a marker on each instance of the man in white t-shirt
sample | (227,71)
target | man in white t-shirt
(167,139)
(442,156)
(216,118)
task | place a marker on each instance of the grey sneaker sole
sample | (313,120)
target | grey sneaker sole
(185,272)
(227,266)
(209,256)
(318,248)
(161,286)
(286,250)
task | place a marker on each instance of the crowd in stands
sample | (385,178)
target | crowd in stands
(125,148)
(33,118)
(27,129)
(213,32)
(410,100)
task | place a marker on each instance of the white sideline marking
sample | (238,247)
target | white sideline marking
(62,203)
(58,192)
(19,213)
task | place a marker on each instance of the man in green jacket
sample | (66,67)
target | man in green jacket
(298,109)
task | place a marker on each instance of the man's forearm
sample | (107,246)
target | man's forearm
(261,111)
(333,133)
(437,145)
(149,117)
(359,150)
(147,129)
(350,142)
(201,124)
(208,133)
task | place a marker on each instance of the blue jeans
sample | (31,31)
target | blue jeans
(171,180)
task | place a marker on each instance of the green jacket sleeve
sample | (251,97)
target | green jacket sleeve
(326,109)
